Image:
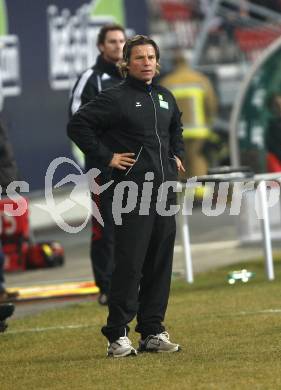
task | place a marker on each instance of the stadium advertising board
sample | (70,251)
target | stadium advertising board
(44,45)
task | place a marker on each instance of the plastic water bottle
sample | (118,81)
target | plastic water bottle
(242,275)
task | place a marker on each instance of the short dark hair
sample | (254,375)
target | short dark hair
(104,30)
(138,40)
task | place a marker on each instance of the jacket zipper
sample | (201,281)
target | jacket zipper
(138,155)
(160,145)
(99,83)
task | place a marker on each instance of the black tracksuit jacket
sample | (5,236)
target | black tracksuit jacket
(131,117)
(91,82)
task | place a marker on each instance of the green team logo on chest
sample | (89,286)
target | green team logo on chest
(162,102)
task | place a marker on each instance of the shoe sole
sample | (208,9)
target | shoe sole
(125,354)
(178,349)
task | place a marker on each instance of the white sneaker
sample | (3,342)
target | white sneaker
(121,348)
(158,343)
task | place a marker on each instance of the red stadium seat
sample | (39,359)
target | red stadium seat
(172,11)
(252,41)
(273,164)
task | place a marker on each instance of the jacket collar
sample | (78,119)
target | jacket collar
(139,84)
(107,67)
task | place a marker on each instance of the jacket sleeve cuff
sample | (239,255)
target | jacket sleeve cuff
(180,155)
(105,155)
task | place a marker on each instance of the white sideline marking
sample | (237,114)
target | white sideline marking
(50,328)
(46,329)
(213,245)
(267,311)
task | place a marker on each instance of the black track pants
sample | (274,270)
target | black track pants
(102,240)
(142,275)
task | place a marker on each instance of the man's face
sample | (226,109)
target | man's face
(112,47)
(142,63)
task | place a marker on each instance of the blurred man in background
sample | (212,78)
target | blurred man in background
(102,75)
(8,173)
(273,133)
(197,101)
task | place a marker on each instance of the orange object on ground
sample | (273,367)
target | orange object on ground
(19,250)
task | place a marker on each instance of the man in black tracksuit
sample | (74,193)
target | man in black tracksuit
(104,74)
(135,128)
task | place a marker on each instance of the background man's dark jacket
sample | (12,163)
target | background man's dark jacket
(101,76)
(8,167)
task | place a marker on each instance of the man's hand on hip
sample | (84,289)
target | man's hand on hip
(122,161)
(179,165)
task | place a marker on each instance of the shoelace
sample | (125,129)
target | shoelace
(125,341)
(164,336)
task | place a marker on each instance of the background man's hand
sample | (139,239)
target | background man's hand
(179,165)
(122,161)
